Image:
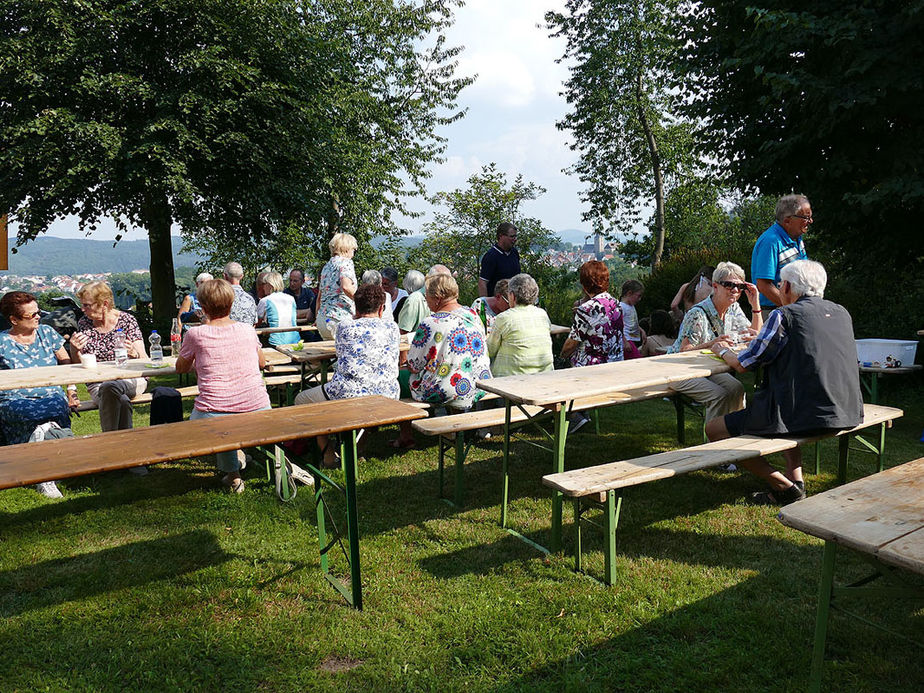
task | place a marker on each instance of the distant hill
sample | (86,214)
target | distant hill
(50,255)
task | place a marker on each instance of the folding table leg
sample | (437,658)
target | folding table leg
(561,436)
(460,468)
(349,469)
(821,618)
(843,444)
(506,464)
(578,563)
(882,436)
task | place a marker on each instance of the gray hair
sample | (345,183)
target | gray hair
(234,270)
(390,273)
(788,205)
(438,269)
(724,270)
(203,277)
(524,289)
(413,280)
(371,277)
(805,277)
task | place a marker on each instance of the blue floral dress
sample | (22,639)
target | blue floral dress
(367,359)
(447,355)
(24,409)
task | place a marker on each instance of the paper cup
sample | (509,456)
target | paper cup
(88,360)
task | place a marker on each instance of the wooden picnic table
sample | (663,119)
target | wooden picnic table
(297,328)
(556,391)
(320,354)
(880,516)
(31,463)
(870,375)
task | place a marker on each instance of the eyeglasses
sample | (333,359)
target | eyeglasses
(731,286)
(30,316)
(505,299)
(801,216)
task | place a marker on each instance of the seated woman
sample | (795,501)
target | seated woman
(374,277)
(692,292)
(597,332)
(190,310)
(520,341)
(27,344)
(661,334)
(227,358)
(717,317)
(447,354)
(98,331)
(276,309)
(489,307)
(367,358)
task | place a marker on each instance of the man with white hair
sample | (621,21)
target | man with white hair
(415,305)
(811,381)
(778,246)
(244,308)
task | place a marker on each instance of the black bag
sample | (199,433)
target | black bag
(166,405)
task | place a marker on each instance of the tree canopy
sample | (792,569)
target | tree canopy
(253,126)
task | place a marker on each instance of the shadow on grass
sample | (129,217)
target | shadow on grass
(76,577)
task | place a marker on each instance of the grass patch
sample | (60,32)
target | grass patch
(166,583)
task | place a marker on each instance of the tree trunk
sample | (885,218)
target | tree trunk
(656,171)
(157,220)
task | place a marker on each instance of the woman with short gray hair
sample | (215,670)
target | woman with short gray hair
(374,278)
(520,341)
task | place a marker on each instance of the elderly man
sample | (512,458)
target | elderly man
(502,261)
(390,284)
(778,246)
(811,380)
(304,296)
(415,306)
(244,308)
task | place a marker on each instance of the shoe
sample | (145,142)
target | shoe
(727,468)
(243,459)
(139,471)
(784,497)
(799,485)
(483,434)
(576,421)
(234,482)
(49,489)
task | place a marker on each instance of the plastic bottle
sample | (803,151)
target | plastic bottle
(157,352)
(176,337)
(483,314)
(121,353)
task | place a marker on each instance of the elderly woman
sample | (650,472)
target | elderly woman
(101,326)
(227,358)
(367,358)
(520,341)
(375,278)
(27,344)
(276,309)
(714,318)
(489,307)
(413,281)
(190,310)
(338,284)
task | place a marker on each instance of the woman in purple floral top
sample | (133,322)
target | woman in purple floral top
(597,331)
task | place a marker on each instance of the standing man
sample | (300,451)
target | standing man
(304,296)
(778,246)
(244,308)
(502,261)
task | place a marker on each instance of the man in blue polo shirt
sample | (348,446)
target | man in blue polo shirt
(778,246)
(502,261)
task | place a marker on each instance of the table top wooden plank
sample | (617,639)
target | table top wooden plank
(75,373)
(30,463)
(321,351)
(297,328)
(905,552)
(868,514)
(559,329)
(564,385)
(896,371)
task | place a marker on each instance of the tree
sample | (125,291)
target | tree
(460,235)
(632,144)
(251,125)
(823,98)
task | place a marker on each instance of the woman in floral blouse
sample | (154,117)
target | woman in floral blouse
(338,284)
(367,357)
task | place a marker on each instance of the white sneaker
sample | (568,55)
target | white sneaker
(49,489)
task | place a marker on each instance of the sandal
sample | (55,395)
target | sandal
(784,497)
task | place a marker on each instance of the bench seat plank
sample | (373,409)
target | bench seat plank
(605,477)
(31,463)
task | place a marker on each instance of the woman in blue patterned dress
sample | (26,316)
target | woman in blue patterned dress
(367,358)
(27,344)
(337,286)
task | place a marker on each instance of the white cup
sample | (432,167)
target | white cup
(88,361)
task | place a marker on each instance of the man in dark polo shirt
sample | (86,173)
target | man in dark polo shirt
(304,297)
(811,381)
(502,261)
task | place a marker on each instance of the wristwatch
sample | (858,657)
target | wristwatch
(723,352)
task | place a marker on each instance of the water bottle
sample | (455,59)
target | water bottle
(157,351)
(176,338)
(483,314)
(121,353)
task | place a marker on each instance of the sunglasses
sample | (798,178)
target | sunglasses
(731,286)
(30,316)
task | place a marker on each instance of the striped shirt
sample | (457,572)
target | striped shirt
(767,344)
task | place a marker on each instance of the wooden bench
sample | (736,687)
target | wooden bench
(599,484)
(451,429)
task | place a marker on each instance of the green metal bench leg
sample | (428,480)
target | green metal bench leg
(882,436)
(610,523)
(578,546)
(821,618)
(322,527)
(349,469)
(286,483)
(561,437)
(460,468)
(681,420)
(506,464)
(817,457)
(442,457)
(843,445)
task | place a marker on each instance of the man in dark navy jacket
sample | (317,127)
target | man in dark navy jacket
(811,380)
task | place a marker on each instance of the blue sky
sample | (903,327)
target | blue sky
(513,107)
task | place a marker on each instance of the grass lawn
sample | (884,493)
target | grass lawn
(165,582)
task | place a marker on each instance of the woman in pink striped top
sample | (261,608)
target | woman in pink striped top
(227,358)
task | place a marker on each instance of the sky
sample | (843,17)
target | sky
(512,110)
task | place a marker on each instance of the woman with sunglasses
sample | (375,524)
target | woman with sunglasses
(718,317)
(27,344)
